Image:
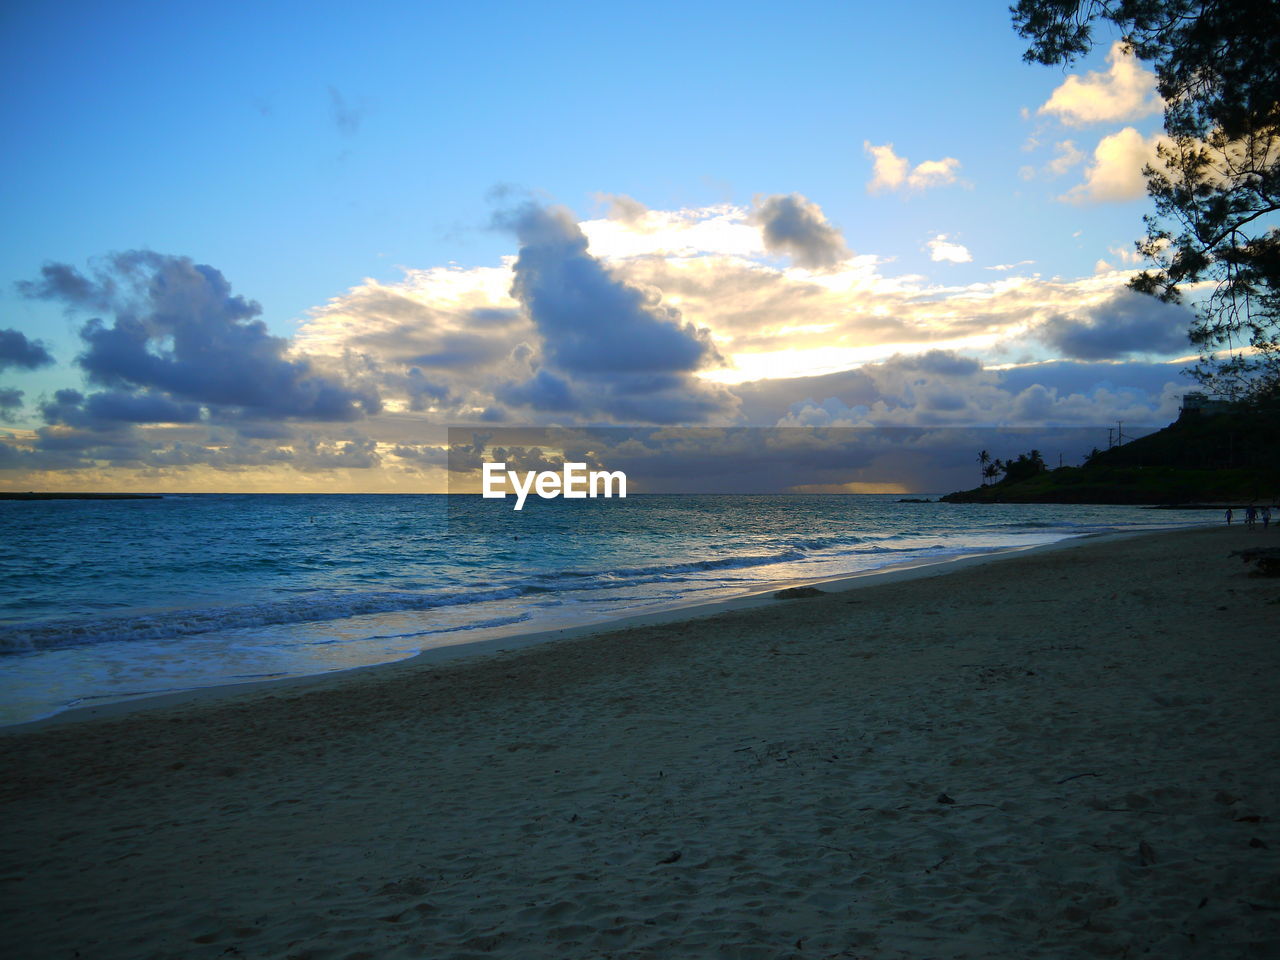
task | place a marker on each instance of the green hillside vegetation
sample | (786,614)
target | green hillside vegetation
(1228,457)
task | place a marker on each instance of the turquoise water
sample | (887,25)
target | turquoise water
(108,600)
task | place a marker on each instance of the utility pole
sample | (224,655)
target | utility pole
(1118,433)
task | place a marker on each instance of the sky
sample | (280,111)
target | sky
(286,247)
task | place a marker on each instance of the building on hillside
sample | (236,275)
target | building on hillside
(1200,404)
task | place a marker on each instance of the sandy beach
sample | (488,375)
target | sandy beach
(1069,753)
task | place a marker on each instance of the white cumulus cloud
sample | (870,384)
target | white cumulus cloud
(892,172)
(1125,91)
(1115,173)
(1067,155)
(942,250)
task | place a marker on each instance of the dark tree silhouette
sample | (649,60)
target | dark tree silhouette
(1216,185)
(984,458)
(1023,467)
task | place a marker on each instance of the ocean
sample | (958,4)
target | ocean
(108,600)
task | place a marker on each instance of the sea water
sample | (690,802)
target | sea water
(106,600)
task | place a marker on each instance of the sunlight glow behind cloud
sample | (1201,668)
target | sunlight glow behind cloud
(710,264)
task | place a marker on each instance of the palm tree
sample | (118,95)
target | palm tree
(984,458)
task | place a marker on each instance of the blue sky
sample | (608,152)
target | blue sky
(313,153)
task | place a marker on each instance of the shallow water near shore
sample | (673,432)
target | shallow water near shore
(108,600)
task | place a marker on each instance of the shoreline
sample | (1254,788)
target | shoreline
(1055,753)
(500,640)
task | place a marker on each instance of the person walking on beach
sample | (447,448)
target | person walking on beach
(1266,517)
(1250,516)
(1229,515)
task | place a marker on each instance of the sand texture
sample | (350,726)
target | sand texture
(1061,754)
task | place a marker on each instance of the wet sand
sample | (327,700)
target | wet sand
(1057,754)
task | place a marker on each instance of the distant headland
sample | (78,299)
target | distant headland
(1225,455)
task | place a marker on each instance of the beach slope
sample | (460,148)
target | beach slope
(1057,754)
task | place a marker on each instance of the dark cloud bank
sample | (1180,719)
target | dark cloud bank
(168,342)
(759,460)
(17,352)
(179,340)
(793,225)
(609,349)
(1125,325)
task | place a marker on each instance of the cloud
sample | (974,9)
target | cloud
(793,225)
(109,409)
(889,171)
(892,172)
(438,340)
(428,454)
(355,454)
(18,352)
(627,354)
(933,173)
(605,321)
(10,400)
(723,229)
(764,319)
(179,335)
(1068,156)
(1127,324)
(768,322)
(942,250)
(543,391)
(183,451)
(1128,256)
(591,322)
(304,453)
(1115,175)
(942,388)
(623,207)
(1125,91)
